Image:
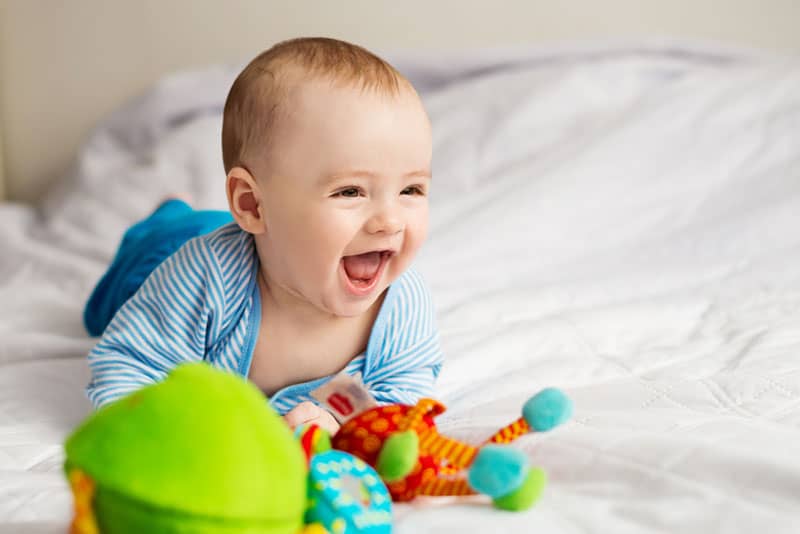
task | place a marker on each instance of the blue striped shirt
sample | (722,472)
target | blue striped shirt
(203,303)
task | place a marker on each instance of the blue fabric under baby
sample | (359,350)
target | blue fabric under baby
(144,246)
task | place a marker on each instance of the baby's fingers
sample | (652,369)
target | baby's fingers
(327,422)
(302,413)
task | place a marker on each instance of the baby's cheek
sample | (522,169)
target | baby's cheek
(419,225)
(402,261)
(414,239)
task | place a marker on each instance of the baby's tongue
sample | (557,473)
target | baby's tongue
(363,266)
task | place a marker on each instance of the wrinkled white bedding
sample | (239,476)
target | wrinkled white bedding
(621,222)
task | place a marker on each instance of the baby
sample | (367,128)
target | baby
(327,150)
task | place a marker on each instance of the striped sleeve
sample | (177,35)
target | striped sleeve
(166,322)
(410,355)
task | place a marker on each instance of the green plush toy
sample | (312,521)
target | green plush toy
(197,453)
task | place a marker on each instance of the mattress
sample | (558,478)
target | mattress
(622,222)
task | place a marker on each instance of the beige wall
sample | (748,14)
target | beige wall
(64,64)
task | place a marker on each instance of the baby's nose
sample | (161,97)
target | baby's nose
(385,222)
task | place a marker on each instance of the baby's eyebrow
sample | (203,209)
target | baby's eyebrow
(362,173)
(354,173)
(422,173)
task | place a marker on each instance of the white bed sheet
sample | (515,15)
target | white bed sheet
(622,222)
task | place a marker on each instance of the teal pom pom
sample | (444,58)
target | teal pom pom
(498,470)
(547,409)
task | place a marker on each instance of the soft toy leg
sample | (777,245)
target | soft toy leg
(542,412)
(457,454)
(83,489)
(445,486)
(510,432)
(503,473)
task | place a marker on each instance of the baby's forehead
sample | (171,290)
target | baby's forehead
(309,101)
(312,115)
(298,82)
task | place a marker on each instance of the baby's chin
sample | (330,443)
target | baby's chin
(340,303)
(355,308)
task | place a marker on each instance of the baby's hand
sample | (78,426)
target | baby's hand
(309,413)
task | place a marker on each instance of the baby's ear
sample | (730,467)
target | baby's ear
(244,200)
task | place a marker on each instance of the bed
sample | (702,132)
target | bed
(622,222)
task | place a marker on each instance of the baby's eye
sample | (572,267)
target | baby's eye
(350,192)
(414,190)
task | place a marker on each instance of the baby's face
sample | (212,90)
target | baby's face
(345,195)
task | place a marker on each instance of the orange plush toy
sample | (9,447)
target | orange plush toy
(403,444)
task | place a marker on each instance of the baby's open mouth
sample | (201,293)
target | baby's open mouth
(363,270)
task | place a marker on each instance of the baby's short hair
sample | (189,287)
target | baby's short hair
(255,98)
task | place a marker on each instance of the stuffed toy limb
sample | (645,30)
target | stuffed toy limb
(404,445)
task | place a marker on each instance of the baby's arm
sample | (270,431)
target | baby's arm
(410,361)
(413,382)
(163,324)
